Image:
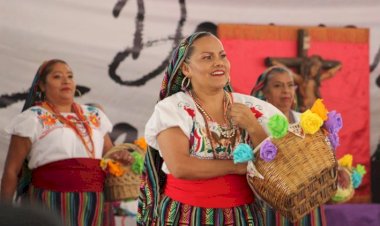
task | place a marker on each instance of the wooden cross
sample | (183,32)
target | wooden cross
(303,63)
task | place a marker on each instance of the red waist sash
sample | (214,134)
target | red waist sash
(219,192)
(70,175)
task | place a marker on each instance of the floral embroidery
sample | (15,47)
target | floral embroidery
(93,116)
(47,119)
(189,111)
(94,120)
(257,113)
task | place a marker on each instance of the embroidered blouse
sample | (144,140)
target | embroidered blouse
(179,110)
(52,141)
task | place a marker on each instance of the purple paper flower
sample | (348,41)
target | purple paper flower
(334,140)
(268,151)
(334,122)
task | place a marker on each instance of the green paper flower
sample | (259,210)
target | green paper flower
(360,169)
(138,164)
(278,126)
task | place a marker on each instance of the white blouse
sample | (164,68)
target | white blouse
(179,110)
(52,140)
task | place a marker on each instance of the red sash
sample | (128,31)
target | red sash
(70,175)
(219,192)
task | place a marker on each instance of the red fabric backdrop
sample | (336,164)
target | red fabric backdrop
(347,92)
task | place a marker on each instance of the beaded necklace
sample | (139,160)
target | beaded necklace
(228,131)
(89,145)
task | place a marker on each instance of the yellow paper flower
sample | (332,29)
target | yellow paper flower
(310,122)
(346,161)
(103,164)
(319,109)
(141,143)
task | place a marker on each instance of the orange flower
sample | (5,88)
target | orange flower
(48,120)
(115,168)
(94,120)
(141,143)
(319,109)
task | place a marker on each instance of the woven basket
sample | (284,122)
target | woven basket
(301,177)
(126,186)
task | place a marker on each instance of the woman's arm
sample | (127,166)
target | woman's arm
(107,143)
(19,148)
(174,146)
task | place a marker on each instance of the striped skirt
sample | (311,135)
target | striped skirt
(314,218)
(171,212)
(75,208)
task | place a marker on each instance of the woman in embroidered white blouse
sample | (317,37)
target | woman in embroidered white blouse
(195,127)
(62,143)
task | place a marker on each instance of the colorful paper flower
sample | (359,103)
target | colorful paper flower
(115,168)
(243,153)
(138,163)
(278,126)
(310,122)
(268,151)
(334,122)
(356,179)
(141,143)
(112,167)
(334,140)
(346,161)
(360,169)
(319,109)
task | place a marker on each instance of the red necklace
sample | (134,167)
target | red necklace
(79,113)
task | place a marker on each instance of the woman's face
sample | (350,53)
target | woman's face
(208,66)
(59,85)
(280,91)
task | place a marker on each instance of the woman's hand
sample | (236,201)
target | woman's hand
(122,156)
(242,116)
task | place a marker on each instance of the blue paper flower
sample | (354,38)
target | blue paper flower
(356,179)
(243,153)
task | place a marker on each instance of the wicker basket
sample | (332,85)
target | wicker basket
(126,186)
(300,178)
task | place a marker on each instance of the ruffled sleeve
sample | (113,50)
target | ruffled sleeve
(25,124)
(174,111)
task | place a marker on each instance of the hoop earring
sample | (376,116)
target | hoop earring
(185,83)
(79,92)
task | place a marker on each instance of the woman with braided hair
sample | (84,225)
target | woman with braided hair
(58,144)
(190,177)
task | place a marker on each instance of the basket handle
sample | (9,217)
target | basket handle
(124,147)
(251,168)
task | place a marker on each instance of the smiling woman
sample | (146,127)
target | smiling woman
(57,145)
(196,127)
